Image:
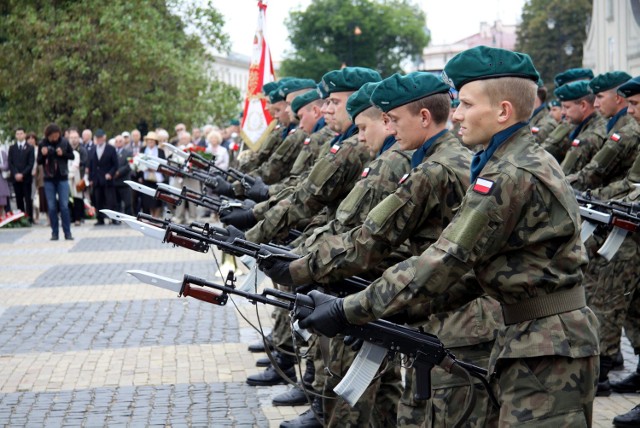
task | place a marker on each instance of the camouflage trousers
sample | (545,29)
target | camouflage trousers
(378,405)
(548,391)
(448,394)
(610,287)
(632,322)
(281,332)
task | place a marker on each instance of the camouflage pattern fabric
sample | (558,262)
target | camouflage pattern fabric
(424,201)
(255,159)
(557,143)
(613,160)
(585,145)
(279,164)
(330,180)
(542,124)
(517,228)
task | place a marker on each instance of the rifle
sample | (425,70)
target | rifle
(620,217)
(381,337)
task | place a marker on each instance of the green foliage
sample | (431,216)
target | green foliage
(107,64)
(547,46)
(323,36)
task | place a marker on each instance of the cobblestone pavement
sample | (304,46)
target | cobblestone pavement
(84,344)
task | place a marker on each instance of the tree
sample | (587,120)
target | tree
(553,32)
(106,64)
(379,34)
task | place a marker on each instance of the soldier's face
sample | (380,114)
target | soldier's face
(280,109)
(371,131)
(406,127)
(478,117)
(307,118)
(607,103)
(634,107)
(556,113)
(573,111)
(338,118)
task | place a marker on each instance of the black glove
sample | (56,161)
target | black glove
(234,233)
(258,191)
(220,186)
(327,318)
(276,269)
(353,342)
(238,217)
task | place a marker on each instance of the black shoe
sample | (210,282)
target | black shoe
(618,362)
(68,237)
(631,419)
(259,346)
(53,238)
(307,419)
(271,377)
(100,223)
(116,222)
(309,374)
(604,389)
(629,384)
(294,397)
(263,362)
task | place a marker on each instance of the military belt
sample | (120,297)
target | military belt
(544,306)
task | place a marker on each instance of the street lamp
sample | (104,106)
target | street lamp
(551,23)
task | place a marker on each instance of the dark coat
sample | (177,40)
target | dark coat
(107,164)
(21,160)
(55,167)
(124,169)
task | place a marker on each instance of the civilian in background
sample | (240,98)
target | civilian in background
(214,139)
(75,178)
(103,163)
(150,177)
(123,173)
(21,162)
(5,192)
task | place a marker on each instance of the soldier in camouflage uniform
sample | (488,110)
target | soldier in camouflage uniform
(541,122)
(613,161)
(558,143)
(589,134)
(518,228)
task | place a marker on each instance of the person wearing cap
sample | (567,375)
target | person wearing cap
(452,125)
(518,228)
(150,177)
(541,123)
(589,133)
(103,164)
(555,110)
(417,107)
(614,159)
(557,143)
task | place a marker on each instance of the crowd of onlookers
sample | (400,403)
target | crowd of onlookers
(71,175)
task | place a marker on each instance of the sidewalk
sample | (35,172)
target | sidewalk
(84,344)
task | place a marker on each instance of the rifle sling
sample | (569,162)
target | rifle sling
(544,306)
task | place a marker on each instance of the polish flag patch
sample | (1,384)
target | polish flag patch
(278,126)
(335,148)
(307,141)
(365,172)
(575,143)
(234,146)
(535,129)
(615,137)
(403,179)
(292,131)
(483,186)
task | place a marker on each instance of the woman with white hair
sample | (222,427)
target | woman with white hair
(214,138)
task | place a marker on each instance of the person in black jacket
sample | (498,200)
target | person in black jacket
(103,164)
(21,161)
(54,152)
(123,173)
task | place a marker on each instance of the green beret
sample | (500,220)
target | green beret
(455,103)
(573,90)
(348,79)
(631,88)
(321,92)
(540,82)
(304,99)
(234,122)
(605,81)
(268,87)
(571,75)
(483,62)
(555,103)
(360,100)
(275,96)
(398,90)
(294,85)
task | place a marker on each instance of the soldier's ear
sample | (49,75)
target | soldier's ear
(425,117)
(505,111)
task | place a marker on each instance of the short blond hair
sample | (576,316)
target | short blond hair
(521,93)
(214,134)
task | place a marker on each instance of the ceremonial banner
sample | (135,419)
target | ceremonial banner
(256,120)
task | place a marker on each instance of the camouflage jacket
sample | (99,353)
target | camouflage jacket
(613,160)
(585,145)
(279,164)
(330,180)
(518,228)
(542,124)
(621,188)
(272,141)
(424,202)
(557,143)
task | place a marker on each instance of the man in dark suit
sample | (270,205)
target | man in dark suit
(103,164)
(123,173)
(21,160)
